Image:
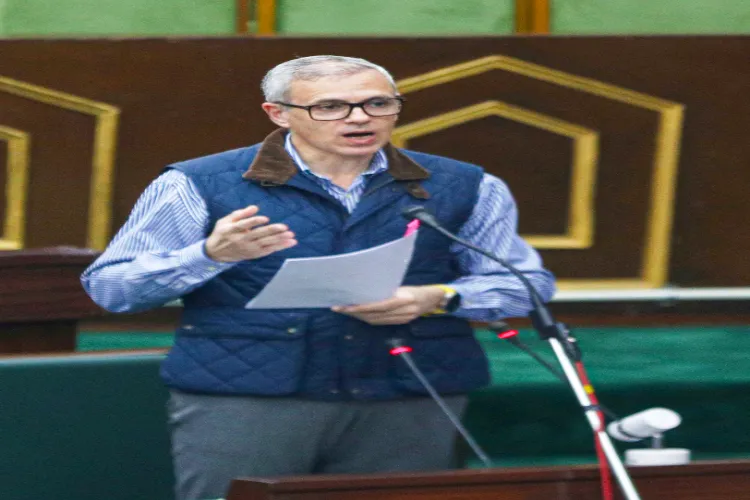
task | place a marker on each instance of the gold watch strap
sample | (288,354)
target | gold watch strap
(449,293)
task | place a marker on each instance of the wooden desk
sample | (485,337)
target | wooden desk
(721,480)
(42,300)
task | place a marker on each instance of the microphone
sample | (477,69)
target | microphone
(566,351)
(649,423)
(402,351)
(425,217)
(540,316)
(644,424)
(504,332)
(421,214)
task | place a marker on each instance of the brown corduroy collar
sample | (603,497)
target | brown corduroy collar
(273,165)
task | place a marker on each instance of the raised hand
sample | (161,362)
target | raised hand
(245,235)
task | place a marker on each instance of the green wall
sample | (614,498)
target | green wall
(32,18)
(396,17)
(116,17)
(650,16)
(217,17)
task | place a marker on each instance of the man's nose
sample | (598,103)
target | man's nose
(358,115)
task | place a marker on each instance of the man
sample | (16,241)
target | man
(279,392)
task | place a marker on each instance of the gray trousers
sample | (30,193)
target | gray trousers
(216,438)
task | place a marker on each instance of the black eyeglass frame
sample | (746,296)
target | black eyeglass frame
(352,105)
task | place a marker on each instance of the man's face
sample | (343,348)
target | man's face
(357,135)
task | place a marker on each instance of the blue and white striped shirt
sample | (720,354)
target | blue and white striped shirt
(158,255)
(347,197)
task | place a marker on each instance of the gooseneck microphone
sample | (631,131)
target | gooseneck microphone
(540,316)
(565,349)
(426,218)
(402,351)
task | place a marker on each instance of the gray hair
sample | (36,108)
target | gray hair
(277,82)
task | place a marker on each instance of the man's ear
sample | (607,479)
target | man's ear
(276,113)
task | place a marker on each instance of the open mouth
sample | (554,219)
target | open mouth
(359,135)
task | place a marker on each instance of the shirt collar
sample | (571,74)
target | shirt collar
(379,162)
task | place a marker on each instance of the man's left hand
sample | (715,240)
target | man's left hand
(406,305)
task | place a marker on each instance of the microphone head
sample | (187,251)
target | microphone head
(413,212)
(644,424)
(421,214)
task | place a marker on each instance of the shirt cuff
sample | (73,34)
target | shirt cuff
(196,263)
(468,299)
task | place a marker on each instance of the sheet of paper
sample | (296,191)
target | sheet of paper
(353,278)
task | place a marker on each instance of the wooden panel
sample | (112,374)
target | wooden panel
(41,299)
(698,481)
(266,16)
(185,98)
(242,16)
(501,143)
(532,16)
(36,337)
(44,285)
(3,177)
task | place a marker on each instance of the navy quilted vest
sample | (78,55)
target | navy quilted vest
(222,348)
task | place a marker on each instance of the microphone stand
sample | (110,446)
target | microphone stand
(504,333)
(563,346)
(402,351)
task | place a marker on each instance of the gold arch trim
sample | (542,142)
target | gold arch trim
(655,260)
(103,156)
(580,226)
(16,184)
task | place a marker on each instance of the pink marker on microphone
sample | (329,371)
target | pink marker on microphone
(412,227)
(400,350)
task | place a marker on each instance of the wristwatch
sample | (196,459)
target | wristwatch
(451,300)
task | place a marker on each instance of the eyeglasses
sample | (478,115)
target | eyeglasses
(338,110)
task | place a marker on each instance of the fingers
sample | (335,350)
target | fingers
(275,242)
(399,318)
(391,306)
(400,300)
(388,312)
(373,307)
(407,304)
(246,235)
(242,213)
(276,246)
(392,320)
(249,223)
(267,236)
(244,220)
(255,230)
